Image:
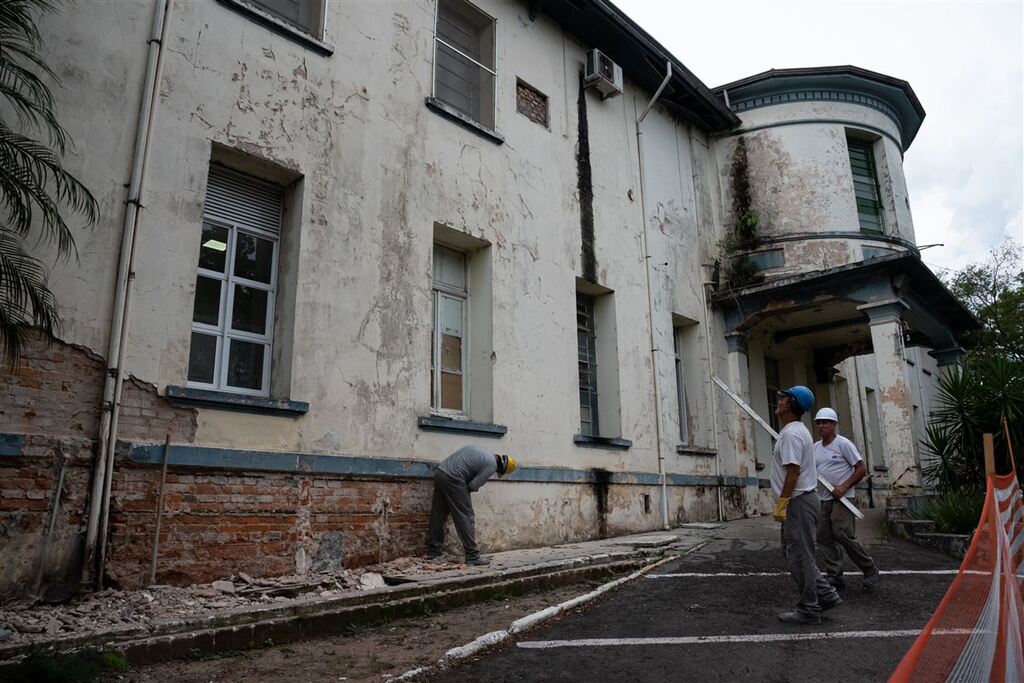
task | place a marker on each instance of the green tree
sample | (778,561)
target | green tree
(35,190)
(994,291)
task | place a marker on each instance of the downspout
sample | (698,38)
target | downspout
(99,506)
(707,340)
(650,298)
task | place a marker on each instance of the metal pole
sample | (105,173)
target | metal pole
(159,510)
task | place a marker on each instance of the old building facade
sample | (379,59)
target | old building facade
(340,240)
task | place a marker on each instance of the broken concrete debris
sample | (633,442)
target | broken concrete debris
(145,609)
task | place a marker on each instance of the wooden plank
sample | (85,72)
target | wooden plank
(775,435)
(990,454)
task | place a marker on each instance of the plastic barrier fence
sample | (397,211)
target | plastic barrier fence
(975,634)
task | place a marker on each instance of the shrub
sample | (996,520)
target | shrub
(956,512)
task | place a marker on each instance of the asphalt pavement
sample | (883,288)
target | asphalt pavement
(712,616)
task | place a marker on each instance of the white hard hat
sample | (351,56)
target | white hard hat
(827,414)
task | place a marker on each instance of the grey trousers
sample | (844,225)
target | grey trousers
(837,532)
(451,496)
(798,533)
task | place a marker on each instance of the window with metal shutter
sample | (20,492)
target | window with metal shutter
(240,199)
(865,185)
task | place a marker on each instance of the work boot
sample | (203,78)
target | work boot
(479,561)
(799,617)
(434,557)
(870,581)
(828,603)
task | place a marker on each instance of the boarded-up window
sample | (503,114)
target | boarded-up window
(464,60)
(531,103)
(448,332)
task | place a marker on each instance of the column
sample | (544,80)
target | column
(741,426)
(895,401)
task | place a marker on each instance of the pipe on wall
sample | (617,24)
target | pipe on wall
(99,501)
(650,298)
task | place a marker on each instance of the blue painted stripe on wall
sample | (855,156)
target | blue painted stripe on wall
(10,444)
(225,458)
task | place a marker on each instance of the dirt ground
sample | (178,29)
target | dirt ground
(362,655)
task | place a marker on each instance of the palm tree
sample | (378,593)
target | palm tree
(35,189)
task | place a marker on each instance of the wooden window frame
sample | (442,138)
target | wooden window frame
(440,291)
(586,351)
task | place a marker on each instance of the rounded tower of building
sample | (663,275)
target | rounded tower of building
(817,167)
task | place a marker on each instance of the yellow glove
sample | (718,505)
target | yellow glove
(779,513)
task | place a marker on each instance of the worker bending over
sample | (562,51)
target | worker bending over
(457,476)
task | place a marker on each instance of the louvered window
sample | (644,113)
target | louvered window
(236,285)
(464,60)
(586,343)
(865,185)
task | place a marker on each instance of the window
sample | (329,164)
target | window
(464,60)
(586,341)
(448,337)
(236,285)
(772,388)
(306,15)
(677,342)
(865,184)
(773,258)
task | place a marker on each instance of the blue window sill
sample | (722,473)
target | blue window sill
(683,449)
(442,424)
(458,117)
(612,443)
(880,468)
(11,444)
(279,26)
(221,400)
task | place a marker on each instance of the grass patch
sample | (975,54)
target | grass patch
(956,512)
(81,666)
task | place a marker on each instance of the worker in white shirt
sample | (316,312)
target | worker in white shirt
(837,460)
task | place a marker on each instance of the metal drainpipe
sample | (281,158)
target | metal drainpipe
(650,298)
(707,341)
(99,506)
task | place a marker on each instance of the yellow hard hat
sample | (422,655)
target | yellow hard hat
(510,464)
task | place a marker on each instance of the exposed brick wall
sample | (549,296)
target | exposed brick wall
(532,103)
(216,523)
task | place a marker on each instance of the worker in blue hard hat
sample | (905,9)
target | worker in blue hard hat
(794,481)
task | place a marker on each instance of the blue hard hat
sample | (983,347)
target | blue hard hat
(802,395)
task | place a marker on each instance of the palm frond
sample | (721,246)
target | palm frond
(25,300)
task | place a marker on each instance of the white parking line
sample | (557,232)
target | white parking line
(710,640)
(711,575)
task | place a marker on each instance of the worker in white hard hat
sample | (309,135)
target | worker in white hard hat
(837,460)
(456,477)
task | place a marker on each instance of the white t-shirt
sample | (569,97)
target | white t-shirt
(835,462)
(794,447)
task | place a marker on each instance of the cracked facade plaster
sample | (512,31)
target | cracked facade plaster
(378,170)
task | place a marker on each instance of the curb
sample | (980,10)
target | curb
(239,631)
(495,638)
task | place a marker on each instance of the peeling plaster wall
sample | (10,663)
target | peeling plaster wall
(801,181)
(370,172)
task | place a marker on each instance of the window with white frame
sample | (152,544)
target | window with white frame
(677,342)
(464,72)
(586,342)
(236,284)
(448,332)
(307,15)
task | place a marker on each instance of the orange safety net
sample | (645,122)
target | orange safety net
(975,634)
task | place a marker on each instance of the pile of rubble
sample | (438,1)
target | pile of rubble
(113,609)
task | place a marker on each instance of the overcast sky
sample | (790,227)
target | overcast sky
(965,61)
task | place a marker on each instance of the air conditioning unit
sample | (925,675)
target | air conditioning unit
(602,73)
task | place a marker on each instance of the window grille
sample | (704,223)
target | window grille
(464,60)
(586,340)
